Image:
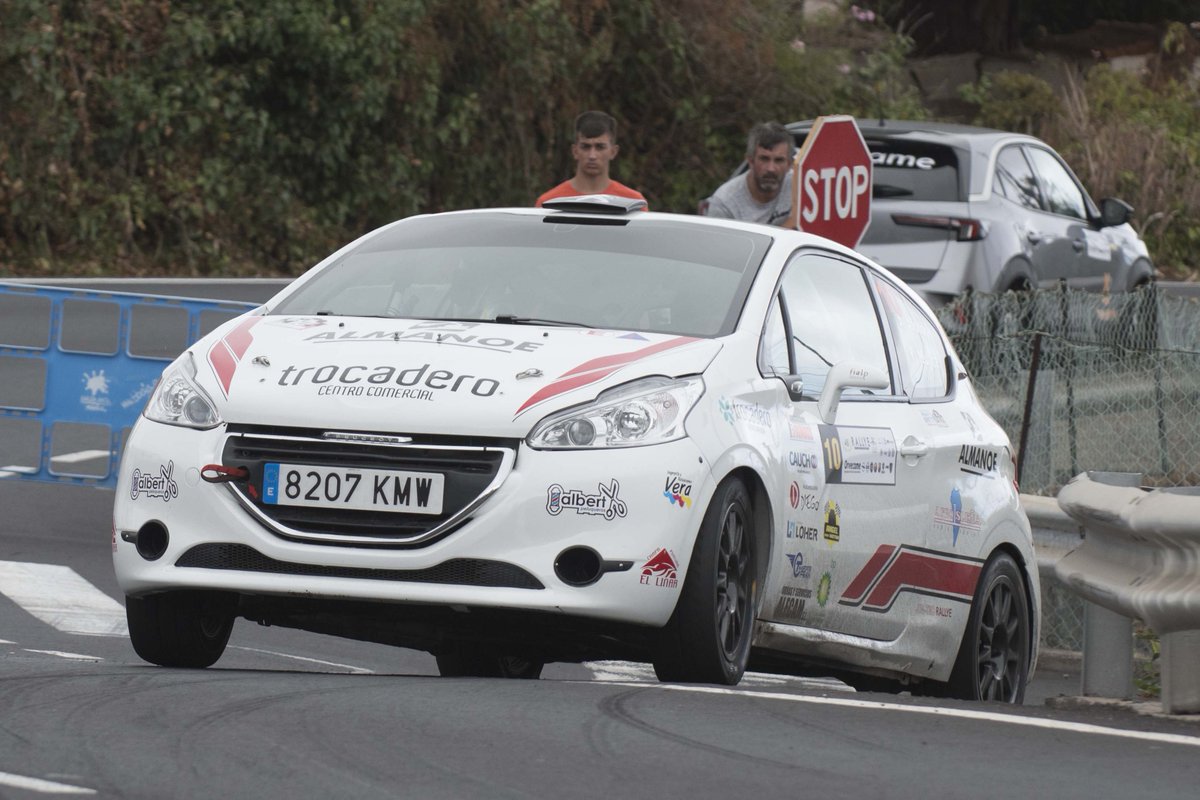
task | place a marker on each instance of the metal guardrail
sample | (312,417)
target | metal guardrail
(1139,558)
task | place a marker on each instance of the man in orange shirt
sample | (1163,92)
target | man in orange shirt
(594,149)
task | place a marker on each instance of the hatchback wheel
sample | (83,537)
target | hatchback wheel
(181,629)
(993,660)
(708,637)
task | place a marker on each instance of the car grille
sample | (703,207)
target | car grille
(472,470)
(458,571)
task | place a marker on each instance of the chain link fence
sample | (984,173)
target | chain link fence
(1085,381)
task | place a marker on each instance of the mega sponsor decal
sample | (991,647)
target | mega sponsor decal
(226,353)
(893,570)
(605,503)
(976,460)
(832,523)
(386,380)
(799,500)
(678,490)
(797,531)
(444,333)
(799,568)
(159,485)
(790,606)
(956,518)
(597,369)
(660,570)
(736,411)
(859,455)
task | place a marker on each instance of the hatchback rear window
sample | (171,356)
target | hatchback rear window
(913,170)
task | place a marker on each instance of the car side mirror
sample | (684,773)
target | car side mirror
(847,375)
(1114,212)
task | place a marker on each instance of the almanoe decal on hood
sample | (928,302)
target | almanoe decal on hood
(597,369)
(226,353)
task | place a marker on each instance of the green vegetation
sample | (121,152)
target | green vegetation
(236,137)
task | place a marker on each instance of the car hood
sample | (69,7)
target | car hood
(481,379)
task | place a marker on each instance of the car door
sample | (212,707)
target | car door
(1065,199)
(846,490)
(1047,236)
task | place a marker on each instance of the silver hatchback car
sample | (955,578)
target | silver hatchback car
(957,207)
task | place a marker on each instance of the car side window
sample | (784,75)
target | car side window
(1063,195)
(1015,178)
(772,350)
(832,319)
(919,348)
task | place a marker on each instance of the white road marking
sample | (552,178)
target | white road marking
(40,785)
(350,667)
(937,711)
(6,641)
(632,671)
(82,455)
(64,654)
(9,471)
(59,596)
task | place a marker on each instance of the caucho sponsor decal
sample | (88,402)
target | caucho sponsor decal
(605,503)
(148,484)
(386,380)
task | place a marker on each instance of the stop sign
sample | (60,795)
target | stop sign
(831,186)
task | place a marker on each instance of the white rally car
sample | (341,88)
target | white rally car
(515,436)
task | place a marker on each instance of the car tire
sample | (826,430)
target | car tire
(707,639)
(471,661)
(181,629)
(993,660)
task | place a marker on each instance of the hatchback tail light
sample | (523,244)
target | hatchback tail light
(965,228)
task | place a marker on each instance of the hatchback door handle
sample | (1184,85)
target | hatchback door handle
(912,447)
(1078,244)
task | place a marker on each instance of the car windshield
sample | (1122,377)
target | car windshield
(656,276)
(913,170)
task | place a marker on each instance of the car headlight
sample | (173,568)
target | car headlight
(649,411)
(179,400)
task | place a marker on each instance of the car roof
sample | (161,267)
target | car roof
(968,137)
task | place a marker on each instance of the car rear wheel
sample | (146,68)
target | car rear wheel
(474,661)
(181,629)
(708,637)
(993,660)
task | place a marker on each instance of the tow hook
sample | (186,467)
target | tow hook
(219,473)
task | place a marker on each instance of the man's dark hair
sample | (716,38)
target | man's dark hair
(768,135)
(591,124)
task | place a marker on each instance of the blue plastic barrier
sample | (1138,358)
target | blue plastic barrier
(76,369)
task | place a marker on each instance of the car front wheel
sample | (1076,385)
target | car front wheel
(708,637)
(993,661)
(182,628)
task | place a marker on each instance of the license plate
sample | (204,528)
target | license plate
(363,489)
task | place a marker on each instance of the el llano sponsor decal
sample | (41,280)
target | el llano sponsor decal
(148,484)
(678,490)
(605,503)
(660,570)
(360,380)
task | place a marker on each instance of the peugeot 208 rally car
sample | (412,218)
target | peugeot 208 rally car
(515,436)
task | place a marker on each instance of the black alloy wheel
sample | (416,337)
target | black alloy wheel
(708,637)
(993,660)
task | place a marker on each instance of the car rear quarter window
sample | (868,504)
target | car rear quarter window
(1015,179)
(919,349)
(912,170)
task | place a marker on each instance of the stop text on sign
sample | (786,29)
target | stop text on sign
(834,191)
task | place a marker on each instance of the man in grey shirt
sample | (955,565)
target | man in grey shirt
(764,192)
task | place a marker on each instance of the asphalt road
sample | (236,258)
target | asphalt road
(287,714)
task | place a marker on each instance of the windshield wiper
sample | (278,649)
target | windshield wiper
(513,319)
